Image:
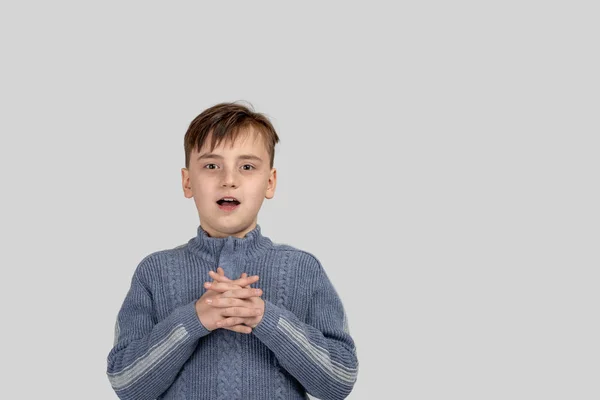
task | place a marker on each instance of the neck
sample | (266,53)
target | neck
(251,245)
(214,234)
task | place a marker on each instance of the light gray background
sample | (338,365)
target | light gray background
(439,158)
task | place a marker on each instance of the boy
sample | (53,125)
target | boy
(178,336)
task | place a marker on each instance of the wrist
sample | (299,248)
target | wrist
(200,313)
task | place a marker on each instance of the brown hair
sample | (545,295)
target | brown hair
(225,121)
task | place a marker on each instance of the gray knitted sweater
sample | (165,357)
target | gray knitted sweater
(302,344)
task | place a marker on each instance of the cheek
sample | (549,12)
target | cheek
(203,189)
(259,192)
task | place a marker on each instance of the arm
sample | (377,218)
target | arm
(320,352)
(147,354)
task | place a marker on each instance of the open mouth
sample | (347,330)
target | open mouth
(228,203)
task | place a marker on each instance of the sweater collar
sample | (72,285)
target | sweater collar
(250,246)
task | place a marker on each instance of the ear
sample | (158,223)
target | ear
(272,184)
(185,183)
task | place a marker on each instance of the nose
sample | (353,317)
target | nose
(229,178)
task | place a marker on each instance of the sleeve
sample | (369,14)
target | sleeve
(319,353)
(147,355)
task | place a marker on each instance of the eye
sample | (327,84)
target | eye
(248,165)
(208,165)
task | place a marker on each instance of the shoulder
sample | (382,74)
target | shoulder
(159,257)
(300,258)
(151,265)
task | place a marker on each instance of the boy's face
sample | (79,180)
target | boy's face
(240,170)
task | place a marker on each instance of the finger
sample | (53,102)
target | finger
(242,280)
(239,328)
(242,293)
(221,272)
(241,312)
(220,286)
(218,277)
(220,302)
(245,281)
(244,275)
(229,322)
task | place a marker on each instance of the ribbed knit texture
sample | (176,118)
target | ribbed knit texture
(302,344)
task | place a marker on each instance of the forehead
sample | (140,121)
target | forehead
(246,140)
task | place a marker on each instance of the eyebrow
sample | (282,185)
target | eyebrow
(241,157)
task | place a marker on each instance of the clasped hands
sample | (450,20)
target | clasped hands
(230,304)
